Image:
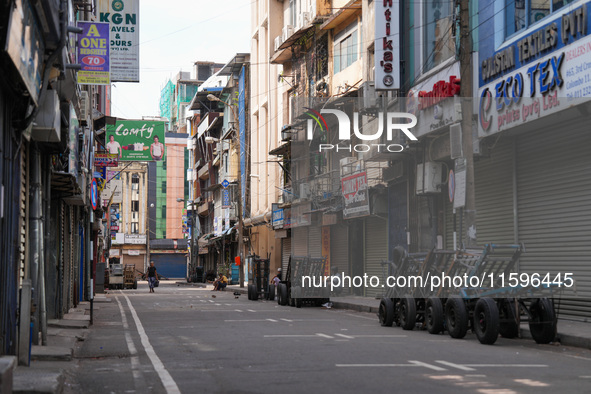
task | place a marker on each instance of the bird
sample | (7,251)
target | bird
(236,294)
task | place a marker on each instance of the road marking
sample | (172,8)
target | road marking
(287,320)
(251,310)
(506,365)
(531,382)
(202,301)
(167,380)
(135,361)
(324,336)
(245,320)
(361,317)
(289,336)
(458,366)
(585,377)
(237,310)
(380,336)
(345,336)
(273,320)
(429,366)
(374,365)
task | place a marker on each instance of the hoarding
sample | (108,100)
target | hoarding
(136,140)
(355,193)
(123,19)
(92,52)
(387,43)
(105,160)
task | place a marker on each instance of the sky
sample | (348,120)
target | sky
(173,35)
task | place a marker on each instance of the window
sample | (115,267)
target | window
(519,14)
(346,48)
(440,44)
(135,182)
(135,206)
(135,228)
(163,186)
(163,211)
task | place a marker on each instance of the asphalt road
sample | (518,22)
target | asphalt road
(181,339)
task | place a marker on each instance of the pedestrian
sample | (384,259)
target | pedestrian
(152,276)
(221,283)
(276,279)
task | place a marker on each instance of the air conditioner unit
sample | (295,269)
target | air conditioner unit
(455,141)
(278,41)
(429,177)
(347,166)
(286,32)
(304,191)
(47,123)
(303,20)
(84,105)
(369,94)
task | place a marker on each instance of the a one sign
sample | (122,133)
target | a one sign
(93,194)
(105,160)
(226,203)
(123,19)
(356,195)
(136,140)
(93,53)
(387,44)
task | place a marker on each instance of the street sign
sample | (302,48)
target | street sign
(226,199)
(225,183)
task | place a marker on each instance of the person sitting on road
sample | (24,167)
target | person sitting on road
(220,283)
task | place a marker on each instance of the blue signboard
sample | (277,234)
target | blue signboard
(226,199)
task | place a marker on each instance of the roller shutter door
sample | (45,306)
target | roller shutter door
(299,241)
(170,265)
(339,248)
(554,208)
(315,241)
(138,262)
(285,253)
(376,251)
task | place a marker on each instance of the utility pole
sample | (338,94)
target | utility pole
(466,95)
(240,219)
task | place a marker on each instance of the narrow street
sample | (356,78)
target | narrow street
(182,339)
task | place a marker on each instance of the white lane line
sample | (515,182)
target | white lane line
(289,336)
(287,320)
(429,366)
(324,336)
(245,320)
(228,304)
(380,336)
(135,361)
(211,300)
(237,310)
(458,366)
(345,336)
(506,365)
(361,317)
(167,380)
(374,365)
(585,377)
(273,320)
(202,301)
(251,310)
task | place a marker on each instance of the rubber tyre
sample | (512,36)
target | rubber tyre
(434,319)
(255,293)
(135,284)
(386,312)
(486,321)
(283,292)
(542,324)
(279,294)
(408,313)
(508,323)
(456,317)
(291,301)
(271,292)
(249,292)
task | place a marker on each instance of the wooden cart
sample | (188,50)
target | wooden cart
(129,279)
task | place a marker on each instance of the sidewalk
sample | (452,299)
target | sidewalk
(570,333)
(49,364)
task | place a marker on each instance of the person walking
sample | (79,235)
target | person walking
(152,276)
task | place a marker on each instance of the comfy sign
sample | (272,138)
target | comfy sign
(539,74)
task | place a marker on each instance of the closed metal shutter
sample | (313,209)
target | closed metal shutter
(339,248)
(138,262)
(376,251)
(299,241)
(315,241)
(285,253)
(554,208)
(169,265)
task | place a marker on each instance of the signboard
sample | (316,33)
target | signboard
(92,53)
(387,44)
(136,239)
(105,160)
(460,183)
(225,183)
(226,203)
(277,220)
(133,252)
(123,19)
(93,194)
(217,226)
(24,45)
(356,194)
(537,75)
(136,140)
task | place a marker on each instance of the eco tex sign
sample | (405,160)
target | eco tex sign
(537,74)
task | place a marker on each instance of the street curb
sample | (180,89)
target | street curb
(180,283)
(7,366)
(354,307)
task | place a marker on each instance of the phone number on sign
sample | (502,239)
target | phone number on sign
(561,279)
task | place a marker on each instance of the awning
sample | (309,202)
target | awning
(204,240)
(281,150)
(64,184)
(294,37)
(259,220)
(350,9)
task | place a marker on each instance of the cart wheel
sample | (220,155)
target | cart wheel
(486,321)
(456,317)
(542,323)
(408,313)
(386,312)
(279,294)
(135,284)
(434,315)
(283,292)
(271,292)
(508,321)
(298,302)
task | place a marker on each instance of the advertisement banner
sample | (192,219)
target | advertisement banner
(105,160)
(92,53)
(123,19)
(136,140)
(355,192)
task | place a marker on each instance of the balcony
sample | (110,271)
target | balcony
(203,172)
(203,209)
